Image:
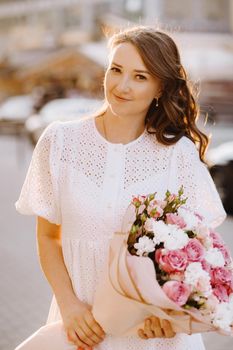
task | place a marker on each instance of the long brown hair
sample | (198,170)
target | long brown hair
(177,111)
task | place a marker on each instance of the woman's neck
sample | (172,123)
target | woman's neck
(118,129)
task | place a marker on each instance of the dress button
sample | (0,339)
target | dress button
(109,206)
(112,176)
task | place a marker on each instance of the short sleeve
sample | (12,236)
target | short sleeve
(40,192)
(199,187)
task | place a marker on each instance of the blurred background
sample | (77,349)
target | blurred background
(52,60)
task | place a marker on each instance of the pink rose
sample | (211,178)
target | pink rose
(136,201)
(141,209)
(175,219)
(176,276)
(224,250)
(217,239)
(154,210)
(219,243)
(220,275)
(161,204)
(194,250)
(177,291)
(220,292)
(172,197)
(172,261)
(206,266)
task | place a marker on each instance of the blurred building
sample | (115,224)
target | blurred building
(39,43)
(42,40)
(48,23)
(181,15)
(193,15)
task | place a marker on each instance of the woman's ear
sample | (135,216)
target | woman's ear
(159,94)
(160,91)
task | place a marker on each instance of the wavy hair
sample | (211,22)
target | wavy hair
(177,111)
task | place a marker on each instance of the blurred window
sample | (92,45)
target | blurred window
(215,10)
(133,8)
(197,15)
(176,9)
(71,16)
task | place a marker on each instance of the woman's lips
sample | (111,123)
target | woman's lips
(121,98)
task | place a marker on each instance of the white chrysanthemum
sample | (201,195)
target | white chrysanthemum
(208,243)
(189,218)
(176,238)
(161,231)
(194,274)
(223,316)
(204,285)
(144,246)
(149,224)
(214,257)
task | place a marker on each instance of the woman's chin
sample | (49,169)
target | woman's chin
(119,111)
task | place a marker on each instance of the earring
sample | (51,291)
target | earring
(157,101)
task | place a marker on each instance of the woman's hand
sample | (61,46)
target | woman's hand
(80,325)
(156,328)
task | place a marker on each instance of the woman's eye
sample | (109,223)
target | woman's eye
(140,77)
(115,69)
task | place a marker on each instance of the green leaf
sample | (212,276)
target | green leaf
(152,196)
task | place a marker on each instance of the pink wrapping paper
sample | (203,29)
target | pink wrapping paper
(129,293)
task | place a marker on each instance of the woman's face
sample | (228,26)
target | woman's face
(129,87)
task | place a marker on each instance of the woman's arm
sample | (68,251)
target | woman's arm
(81,327)
(52,263)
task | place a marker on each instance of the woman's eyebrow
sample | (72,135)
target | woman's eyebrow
(141,71)
(136,70)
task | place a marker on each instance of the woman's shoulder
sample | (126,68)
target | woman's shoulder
(186,142)
(186,150)
(59,133)
(186,145)
(71,125)
(183,145)
(67,128)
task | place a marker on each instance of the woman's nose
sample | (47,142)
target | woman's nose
(124,84)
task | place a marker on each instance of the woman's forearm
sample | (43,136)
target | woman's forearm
(53,266)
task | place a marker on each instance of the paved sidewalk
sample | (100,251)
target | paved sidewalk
(24,293)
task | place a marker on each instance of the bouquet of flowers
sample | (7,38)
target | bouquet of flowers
(166,262)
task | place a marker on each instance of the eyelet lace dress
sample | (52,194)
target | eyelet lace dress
(81,181)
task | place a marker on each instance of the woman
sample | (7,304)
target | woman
(83,175)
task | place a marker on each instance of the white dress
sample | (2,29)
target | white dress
(83,182)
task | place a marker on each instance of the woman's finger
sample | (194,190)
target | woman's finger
(91,322)
(156,327)
(167,328)
(90,333)
(72,337)
(147,329)
(83,337)
(142,334)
